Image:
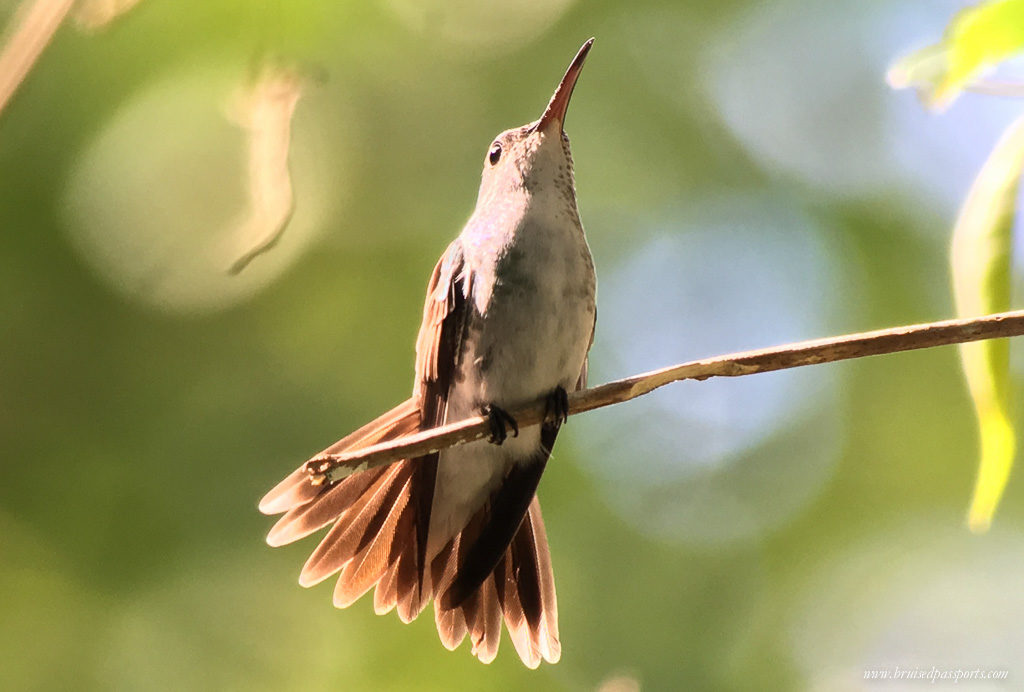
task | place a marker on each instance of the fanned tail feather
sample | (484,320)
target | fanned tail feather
(376,541)
(296,490)
(373,518)
(365,570)
(520,590)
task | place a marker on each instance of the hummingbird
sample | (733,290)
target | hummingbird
(508,319)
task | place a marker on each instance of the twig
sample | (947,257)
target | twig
(332,467)
(265,111)
(31,29)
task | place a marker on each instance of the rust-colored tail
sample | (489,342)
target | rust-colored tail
(377,540)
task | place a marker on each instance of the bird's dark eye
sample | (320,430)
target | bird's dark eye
(495,154)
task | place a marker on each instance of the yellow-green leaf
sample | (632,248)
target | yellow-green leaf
(976,40)
(981,258)
(924,69)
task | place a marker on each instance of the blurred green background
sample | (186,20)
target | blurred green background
(745,178)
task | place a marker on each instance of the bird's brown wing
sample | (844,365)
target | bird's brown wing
(381,516)
(437,351)
(581,381)
(440,338)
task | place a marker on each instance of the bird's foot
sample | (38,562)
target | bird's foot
(501,421)
(556,409)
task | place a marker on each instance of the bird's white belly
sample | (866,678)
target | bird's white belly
(534,338)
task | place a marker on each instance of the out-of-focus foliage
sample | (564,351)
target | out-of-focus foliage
(265,111)
(982,257)
(22,42)
(96,14)
(745,178)
(976,40)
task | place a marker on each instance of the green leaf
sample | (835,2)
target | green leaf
(976,40)
(981,259)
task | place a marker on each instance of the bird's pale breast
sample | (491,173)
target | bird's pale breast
(528,331)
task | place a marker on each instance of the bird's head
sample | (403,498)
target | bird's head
(535,158)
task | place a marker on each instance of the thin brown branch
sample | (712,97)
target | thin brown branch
(908,338)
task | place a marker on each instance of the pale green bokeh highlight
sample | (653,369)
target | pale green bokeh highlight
(155,201)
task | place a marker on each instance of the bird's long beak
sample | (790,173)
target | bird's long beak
(559,104)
